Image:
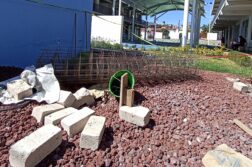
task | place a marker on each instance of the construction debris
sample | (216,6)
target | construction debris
(29,151)
(130,97)
(224,156)
(66,98)
(243,127)
(92,133)
(56,117)
(19,89)
(96,93)
(137,115)
(75,122)
(241,87)
(40,112)
(123,89)
(82,97)
(233,79)
(46,88)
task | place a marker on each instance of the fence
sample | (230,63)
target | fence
(99,65)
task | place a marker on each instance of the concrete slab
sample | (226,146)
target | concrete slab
(32,149)
(241,87)
(75,122)
(66,98)
(19,89)
(92,133)
(40,112)
(137,115)
(56,117)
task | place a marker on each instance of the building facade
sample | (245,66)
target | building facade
(27,27)
(233,18)
(111,7)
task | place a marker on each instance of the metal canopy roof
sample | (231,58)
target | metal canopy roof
(154,7)
(228,12)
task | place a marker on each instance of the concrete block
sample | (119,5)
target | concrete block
(19,89)
(233,79)
(82,97)
(32,149)
(92,133)
(75,122)
(40,112)
(56,117)
(66,98)
(137,115)
(241,87)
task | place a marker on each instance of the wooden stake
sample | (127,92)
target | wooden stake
(123,89)
(130,97)
(242,126)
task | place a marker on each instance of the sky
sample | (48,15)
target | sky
(173,17)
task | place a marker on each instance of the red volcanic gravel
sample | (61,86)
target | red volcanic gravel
(187,119)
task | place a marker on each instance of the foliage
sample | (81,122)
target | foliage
(201,51)
(244,61)
(105,45)
(223,65)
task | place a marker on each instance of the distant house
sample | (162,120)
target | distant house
(27,27)
(108,11)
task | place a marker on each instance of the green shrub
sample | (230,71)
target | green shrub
(102,44)
(241,60)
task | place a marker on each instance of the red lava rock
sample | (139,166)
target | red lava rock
(168,140)
(9,142)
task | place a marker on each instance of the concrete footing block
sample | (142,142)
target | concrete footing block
(40,112)
(75,122)
(137,115)
(56,117)
(66,98)
(241,87)
(19,89)
(92,133)
(32,149)
(83,97)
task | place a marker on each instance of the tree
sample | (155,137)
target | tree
(205,29)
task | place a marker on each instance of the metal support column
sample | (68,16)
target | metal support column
(133,23)
(155,27)
(185,22)
(113,8)
(193,25)
(120,8)
(146,26)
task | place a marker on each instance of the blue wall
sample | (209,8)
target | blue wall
(26,28)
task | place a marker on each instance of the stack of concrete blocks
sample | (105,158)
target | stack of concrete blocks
(19,89)
(92,133)
(32,149)
(75,122)
(82,97)
(137,115)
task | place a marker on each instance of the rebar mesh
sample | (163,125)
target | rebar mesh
(99,65)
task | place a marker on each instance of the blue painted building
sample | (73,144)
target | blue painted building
(27,27)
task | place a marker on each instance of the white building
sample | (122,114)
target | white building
(233,18)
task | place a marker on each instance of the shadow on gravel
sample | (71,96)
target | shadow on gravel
(56,155)
(150,125)
(107,139)
(139,98)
